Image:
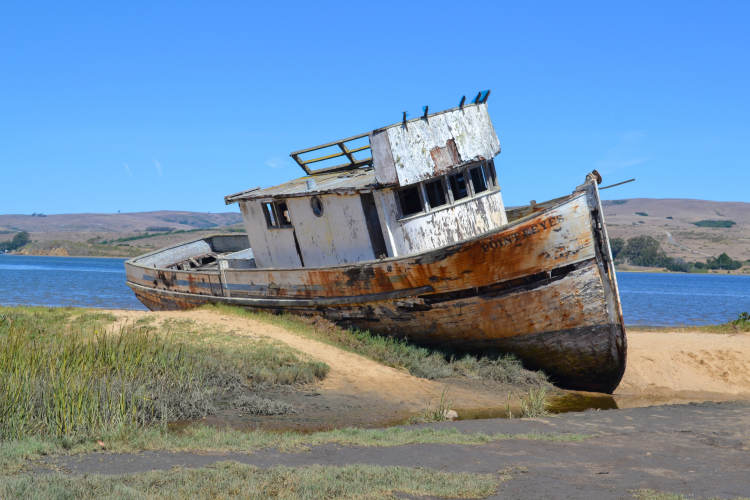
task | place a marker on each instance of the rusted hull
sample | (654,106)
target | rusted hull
(542,288)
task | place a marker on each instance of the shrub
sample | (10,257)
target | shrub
(19,240)
(715,223)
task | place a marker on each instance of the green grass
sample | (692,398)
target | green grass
(15,454)
(63,376)
(397,353)
(231,480)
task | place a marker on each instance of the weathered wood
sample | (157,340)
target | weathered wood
(283,303)
(467,135)
(382,157)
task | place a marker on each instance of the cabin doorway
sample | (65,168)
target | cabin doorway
(373,225)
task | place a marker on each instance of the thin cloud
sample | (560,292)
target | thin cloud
(627,152)
(158,167)
(128,169)
(613,165)
(276,162)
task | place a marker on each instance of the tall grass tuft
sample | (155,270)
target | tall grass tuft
(68,377)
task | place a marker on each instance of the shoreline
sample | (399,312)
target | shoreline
(662,271)
(67,256)
(632,326)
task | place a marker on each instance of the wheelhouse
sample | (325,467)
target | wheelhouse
(406,188)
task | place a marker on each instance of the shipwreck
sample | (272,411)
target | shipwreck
(409,237)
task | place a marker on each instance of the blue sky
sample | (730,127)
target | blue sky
(137,106)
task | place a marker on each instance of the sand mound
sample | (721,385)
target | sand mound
(663,362)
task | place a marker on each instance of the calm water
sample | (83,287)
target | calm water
(65,281)
(650,299)
(682,299)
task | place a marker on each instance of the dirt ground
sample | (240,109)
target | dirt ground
(701,450)
(663,367)
(684,365)
(357,391)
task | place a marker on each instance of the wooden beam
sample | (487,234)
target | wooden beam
(357,299)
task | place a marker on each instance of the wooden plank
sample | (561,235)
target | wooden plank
(268,302)
(385,169)
(301,151)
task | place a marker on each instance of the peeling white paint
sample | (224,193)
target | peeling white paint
(444,226)
(411,145)
(271,247)
(338,237)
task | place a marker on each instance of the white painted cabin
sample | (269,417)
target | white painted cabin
(428,182)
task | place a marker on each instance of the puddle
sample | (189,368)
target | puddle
(582,401)
(565,402)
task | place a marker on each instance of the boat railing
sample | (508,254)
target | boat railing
(351,163)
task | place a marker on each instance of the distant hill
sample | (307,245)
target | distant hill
(704,227)
(117,223)
(81,234)
(625,219)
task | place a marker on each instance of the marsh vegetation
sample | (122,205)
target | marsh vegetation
(67,373)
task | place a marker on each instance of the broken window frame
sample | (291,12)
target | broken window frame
(454,175)
(490,179)
(399,202)
(274,214)
(272,222)
(483,177)
(440,181)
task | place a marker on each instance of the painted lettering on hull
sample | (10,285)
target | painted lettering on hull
(503,241)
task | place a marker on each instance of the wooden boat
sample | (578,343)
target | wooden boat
(415,242)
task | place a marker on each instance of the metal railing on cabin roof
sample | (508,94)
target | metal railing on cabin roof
(349,153)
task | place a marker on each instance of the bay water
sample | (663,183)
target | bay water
(658,299)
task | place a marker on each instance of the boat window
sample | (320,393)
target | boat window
(317,206)
(491,174)
(459,188)
(435,193)
(270,216)
(283,214)
(478,179)
(410,201)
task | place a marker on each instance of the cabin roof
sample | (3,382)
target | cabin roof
(347,182)
(379,170)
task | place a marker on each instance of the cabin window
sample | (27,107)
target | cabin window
(435,193)
(410,201)
(459,187)
(283,214)
(268,211)
(277,215)
(317,206)
(478,179)
(491,174)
